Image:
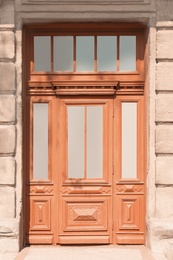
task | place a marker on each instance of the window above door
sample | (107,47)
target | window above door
(86,51)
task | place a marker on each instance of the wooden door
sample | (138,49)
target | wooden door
(85,171)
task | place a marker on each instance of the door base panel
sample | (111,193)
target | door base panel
(39,239)
(130,239)
(84,240)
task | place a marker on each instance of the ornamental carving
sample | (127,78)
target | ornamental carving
(40,189)
(129,188)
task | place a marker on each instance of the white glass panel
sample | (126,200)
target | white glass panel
(42,53)
(106,53)
(63,53)
(128,53)
(76,142)
(94,142)
(40,141)
(84,53)
(129,140)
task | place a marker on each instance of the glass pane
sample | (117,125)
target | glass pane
(129,140)
(106,53)
(75,141)
(42,53)
(63,53)
(128,53)
(40,141)
(94,142)
(84,53)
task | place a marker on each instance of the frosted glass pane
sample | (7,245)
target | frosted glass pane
(106,53)
(40,141)
(129,140)
(63,53)
(42,53)
(76,142)
(84,53)
(94,142)
(128,53)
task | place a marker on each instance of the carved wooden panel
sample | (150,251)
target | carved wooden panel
(40,190)
(86,190)
(130,188)
(40,213)
(85,214)
(129,212)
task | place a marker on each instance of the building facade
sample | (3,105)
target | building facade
(114,207)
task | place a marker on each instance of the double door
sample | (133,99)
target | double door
(85,181)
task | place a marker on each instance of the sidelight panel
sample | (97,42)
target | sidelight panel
(129,140)
(40,141)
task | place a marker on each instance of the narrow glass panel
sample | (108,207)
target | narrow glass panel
(128,53)
(40,141)
(42,53)
(63,53)
(129,140)
(94,144)
(84,53)
(106,53)
(76,142)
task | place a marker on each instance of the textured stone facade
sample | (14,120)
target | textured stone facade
(158,16)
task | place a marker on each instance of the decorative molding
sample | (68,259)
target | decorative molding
(39,189)
(80,2)
(129,188)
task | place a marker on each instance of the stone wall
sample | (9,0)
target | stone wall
(158,16)
(10,157)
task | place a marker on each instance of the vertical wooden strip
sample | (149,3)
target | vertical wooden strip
(52,51)
(95,53)
(85,141)
(118,52)
(74,53)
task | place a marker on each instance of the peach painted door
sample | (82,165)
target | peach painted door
(85,170)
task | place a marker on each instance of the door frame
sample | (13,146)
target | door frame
(126,87)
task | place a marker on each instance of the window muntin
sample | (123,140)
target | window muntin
(99,53)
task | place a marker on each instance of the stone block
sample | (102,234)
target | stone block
(164,76)
(7,139)
(7,76)
(164,202)
(7,108)
(164,170)
(160,233)
(6,45)
(9,227)
(164,44)
(164,139)
(164,108)
(7,202)
(7,171)
(9,245)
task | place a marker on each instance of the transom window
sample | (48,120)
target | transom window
(85,53)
